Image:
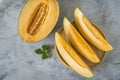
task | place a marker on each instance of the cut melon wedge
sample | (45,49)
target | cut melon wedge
(90,33)
(78,42)
(71,57)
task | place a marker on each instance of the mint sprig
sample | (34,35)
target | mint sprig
(43,51)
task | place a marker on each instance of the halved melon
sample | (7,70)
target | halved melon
(37,19)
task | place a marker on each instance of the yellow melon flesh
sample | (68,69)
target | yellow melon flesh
(90,33)
(37,19)
(78,42)
(71,57)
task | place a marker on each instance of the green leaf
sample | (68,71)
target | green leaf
(45,56)
(45,47)
(44,51)
(38,51)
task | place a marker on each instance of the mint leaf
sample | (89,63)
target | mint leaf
(38,51)
(45,47)
(45,56)
(44,51)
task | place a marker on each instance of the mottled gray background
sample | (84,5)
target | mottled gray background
(18,60)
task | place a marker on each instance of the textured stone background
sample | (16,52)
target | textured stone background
(18,60)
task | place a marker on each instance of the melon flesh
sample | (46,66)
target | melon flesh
(37,19)
(71,57)
(89,31)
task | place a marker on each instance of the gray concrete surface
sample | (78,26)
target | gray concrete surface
(18,60)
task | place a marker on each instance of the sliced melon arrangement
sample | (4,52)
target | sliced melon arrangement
(37,19)
(78,44)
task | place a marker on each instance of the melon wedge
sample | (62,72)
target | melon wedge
(90,33)
(78,42)
(71,57)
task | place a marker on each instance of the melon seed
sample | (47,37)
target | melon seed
(38,19)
